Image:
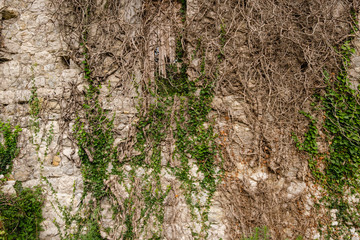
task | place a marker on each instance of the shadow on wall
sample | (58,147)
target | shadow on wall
(5,14)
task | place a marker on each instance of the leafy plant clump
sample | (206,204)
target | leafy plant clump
(341,175)
(8,146)
(21,214)
(35,105)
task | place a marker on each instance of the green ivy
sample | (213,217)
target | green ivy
(262,233)
(92,227)
(340,178)
(342,111)
(183,9)
(8,146)
(34,102)
(35,106)
(21,214)
(194,139)
(191,130)
(94,135)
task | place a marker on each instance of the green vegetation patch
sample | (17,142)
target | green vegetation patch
(259,234)
(179,111)
(176,109)
(8,146)
(340,177)
(94,134)
(21,214)
(262,233)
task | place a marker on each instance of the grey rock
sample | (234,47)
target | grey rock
(8,188)
(22,174)
(52,172)
(68,169)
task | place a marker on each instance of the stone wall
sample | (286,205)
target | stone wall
(33,43)
(33,54)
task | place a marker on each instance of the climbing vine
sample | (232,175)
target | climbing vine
(340,174)
(34,103)
(94,135)
(8,146)
(179,110)
(173,112)
(20,214)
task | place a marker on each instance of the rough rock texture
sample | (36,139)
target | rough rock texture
(32,53)
(33,44)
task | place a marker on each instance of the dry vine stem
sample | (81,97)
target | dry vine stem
(276,69)
(269,54)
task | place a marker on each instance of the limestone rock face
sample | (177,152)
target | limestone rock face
(30,53)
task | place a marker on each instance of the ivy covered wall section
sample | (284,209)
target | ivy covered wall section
(20,213)
(337,170)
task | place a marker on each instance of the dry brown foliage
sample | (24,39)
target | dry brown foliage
(275,55)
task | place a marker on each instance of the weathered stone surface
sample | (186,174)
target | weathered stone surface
(35,49)
(68,169)
(31,183)
(66,184)
(52,172)
(8,188)
(22,174)
(295,189)
(50,230)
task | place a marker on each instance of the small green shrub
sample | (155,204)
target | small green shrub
(8,146)
(20,214)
